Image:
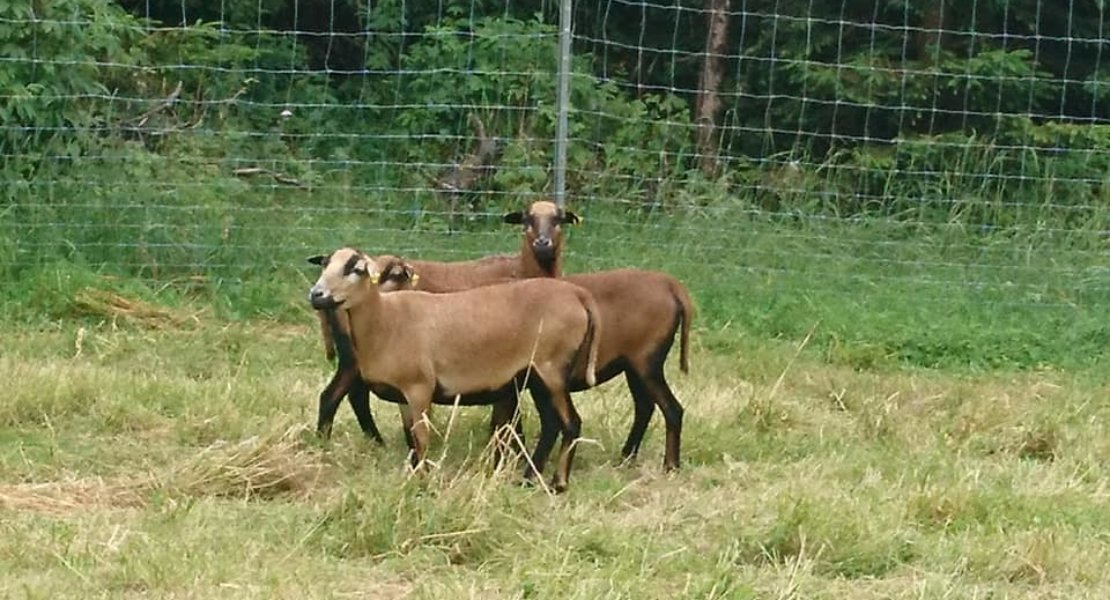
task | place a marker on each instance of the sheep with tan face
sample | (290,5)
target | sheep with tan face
(642,311)
(542,253)
(419,346)
(398,274)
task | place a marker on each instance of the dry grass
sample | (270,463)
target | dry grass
(801,480)
(70,496)
(261,467)
(99,303)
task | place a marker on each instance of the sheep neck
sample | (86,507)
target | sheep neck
(366,323)
(342,340)
(531,267)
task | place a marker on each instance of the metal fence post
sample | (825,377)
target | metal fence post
(562,103)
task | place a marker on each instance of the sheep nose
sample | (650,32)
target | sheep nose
(542,242)
(320,298)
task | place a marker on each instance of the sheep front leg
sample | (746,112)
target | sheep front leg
(549,429)
(505,412)
(359,398)
(331,397)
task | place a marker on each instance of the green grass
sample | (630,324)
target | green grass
(151,459)
(880,292)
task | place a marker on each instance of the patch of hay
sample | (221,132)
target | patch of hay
(110,305)
(69,496)
(261,467)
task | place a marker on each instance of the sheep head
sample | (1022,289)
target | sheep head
(543,234)
(396,274)
(341,281)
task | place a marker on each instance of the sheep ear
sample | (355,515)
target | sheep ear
(363,267)
(513,218)
(569,217)
(319,259)
(410,273)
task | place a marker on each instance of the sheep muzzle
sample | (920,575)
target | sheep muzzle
(321,300)
(544,249)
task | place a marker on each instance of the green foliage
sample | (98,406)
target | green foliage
(52,90)
(459,65)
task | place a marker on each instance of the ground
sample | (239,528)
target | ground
(176,460)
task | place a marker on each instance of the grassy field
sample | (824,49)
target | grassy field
(160,453)
(878,409)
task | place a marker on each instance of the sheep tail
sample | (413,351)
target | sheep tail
(593,337)
(686,314)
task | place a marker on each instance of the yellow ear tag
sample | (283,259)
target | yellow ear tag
(374,278)
(415,278)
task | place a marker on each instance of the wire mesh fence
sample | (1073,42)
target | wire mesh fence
(791,160)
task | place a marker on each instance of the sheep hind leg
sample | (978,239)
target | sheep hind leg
(359,398)
(672,415)
(644,407)
(419,403)
(572,430)
(406,427)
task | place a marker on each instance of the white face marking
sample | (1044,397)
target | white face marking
(320,287)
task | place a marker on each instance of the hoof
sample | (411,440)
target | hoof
(626,461)
(558,487)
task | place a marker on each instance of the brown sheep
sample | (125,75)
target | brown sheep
(646,379)
(641,310)
(400,274)
(438,278)
(420,346)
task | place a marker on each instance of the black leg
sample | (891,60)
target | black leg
(406,427)
(672,414)
(359,397)
(644,407)
(572,430)
(331,397)
(550,426)
(505,412)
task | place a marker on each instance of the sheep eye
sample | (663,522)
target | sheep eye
(350,267)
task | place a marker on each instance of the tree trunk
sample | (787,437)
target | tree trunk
(929,39)
(709,83)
